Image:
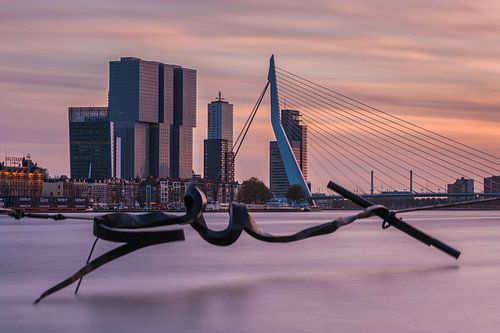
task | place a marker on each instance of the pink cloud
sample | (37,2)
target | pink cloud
(433,62)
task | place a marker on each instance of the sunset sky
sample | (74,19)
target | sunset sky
(436,63)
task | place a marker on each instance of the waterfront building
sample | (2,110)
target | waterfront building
(91,143)
(153,106)
(123,193)
(149,193)
(492,184)
(462,185)
(296,134)
(21,178)
(58,188)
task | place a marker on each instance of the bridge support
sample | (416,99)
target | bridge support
(293,172)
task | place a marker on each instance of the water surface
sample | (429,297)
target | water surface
(359,279)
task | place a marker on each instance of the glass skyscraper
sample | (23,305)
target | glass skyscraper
(91,142)
(220,120)
(218,158)
(153,106)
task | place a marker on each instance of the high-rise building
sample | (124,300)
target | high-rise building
(220,120)
(296,134)
(492,184)
(218,156)
(153,106)
(277,174)
(91,143)
(184,120)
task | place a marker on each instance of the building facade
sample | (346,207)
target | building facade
(218,161)
(153,107)
(492,184)
(278,180)
(184,120)
(462,185)
(220,120)
(91,143)
(24,179)
(296,134)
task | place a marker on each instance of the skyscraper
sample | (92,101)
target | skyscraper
(220,120)
(277,174)
(184,120)
(297,137)
(153,106)
(91,142)
(137,100)
(218,158)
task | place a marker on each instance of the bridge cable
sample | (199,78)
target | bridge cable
(381,143)
(386,115)
(358,150)
(454,152)
(315,101)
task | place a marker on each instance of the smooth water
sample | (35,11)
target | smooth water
(359,279)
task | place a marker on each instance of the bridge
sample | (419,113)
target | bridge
(322,134)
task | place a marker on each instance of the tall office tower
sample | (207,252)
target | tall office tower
(184,120)
(143,96)
(218,158)
(220,120)
(91,143)
(297,137)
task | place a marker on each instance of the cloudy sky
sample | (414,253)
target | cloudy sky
(436,63)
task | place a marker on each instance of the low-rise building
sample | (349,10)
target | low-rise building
(462,185)
(24,178)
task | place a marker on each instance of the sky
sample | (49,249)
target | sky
(436,63)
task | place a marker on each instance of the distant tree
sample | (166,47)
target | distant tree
(254,191)
(295,193)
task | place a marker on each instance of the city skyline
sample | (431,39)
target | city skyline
(441,74)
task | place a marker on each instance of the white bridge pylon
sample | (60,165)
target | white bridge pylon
(293,171)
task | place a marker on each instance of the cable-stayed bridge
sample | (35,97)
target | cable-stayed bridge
(366,149)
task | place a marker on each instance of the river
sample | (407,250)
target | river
(359,279)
